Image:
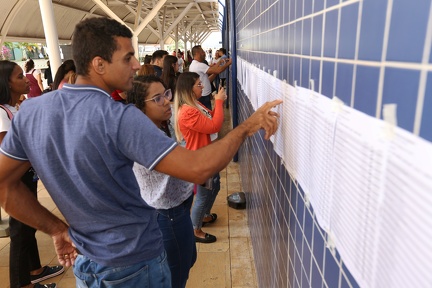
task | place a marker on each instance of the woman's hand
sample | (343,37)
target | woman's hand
(221,95)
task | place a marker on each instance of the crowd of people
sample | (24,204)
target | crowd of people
(124,176)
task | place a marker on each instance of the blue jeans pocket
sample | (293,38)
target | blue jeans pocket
(151,273)
(137,279)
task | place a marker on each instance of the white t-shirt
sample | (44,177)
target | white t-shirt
(201,69)
(214,61)
(5,122)
(180,62)
(35,72)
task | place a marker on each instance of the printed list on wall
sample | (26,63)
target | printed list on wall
(369,182)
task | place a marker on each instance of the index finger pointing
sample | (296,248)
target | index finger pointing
(273,104)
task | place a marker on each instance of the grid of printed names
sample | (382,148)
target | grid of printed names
(354,169)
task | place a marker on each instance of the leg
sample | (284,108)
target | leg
(222,82)
(217,82)
(24,254)
(22,242)
(179,241)
(213,194)
(199,206)
(204,200)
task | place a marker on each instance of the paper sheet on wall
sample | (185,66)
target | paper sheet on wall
(302,138)
(288,127)
(240,64)
(246,78)
(254,87)
(404,254)
(322,128)
(265,80)
(359,157)
(275,92)
(360,183)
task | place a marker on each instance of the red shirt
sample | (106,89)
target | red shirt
(116,96)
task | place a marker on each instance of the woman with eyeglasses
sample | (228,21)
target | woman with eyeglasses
(199,126)
(170,196)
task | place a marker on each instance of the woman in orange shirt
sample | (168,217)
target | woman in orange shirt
(199,126)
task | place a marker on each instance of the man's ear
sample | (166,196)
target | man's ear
(98,65)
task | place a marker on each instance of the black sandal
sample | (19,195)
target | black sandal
(213,216)
(208,238)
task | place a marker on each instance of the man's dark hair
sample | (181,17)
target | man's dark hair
(195,50)
(223,50)
(159,54)
(147,59)
(96,37)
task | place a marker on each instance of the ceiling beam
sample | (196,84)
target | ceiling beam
(180,17)
(9,19)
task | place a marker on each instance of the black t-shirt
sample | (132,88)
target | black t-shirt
(48,76)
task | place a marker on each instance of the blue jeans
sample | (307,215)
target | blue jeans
(179,241)
(146,274)
(204,200)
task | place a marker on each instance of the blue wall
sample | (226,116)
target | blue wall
(367,53)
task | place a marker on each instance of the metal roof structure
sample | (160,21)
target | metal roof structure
(152,21)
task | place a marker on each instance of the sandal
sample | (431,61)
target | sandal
(208,238)
(213,219)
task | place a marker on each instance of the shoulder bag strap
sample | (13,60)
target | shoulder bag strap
(9,113)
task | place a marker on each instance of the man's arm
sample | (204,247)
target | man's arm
(216,69)
(17,201)
(197,166)
(212,77)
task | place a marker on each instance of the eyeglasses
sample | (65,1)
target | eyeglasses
(200,84)
(160,99)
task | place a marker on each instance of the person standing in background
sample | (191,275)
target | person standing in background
(146,69)
(35,78)
(223,74)
(181,62)
(147,59)
(157,61)
(48,75)
(199,126)
(188,58)
(65,72)
(216,80)
(206,73)
(169,72)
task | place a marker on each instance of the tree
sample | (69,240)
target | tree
(5,53)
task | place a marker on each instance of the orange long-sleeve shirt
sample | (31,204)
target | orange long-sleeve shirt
(196,127)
